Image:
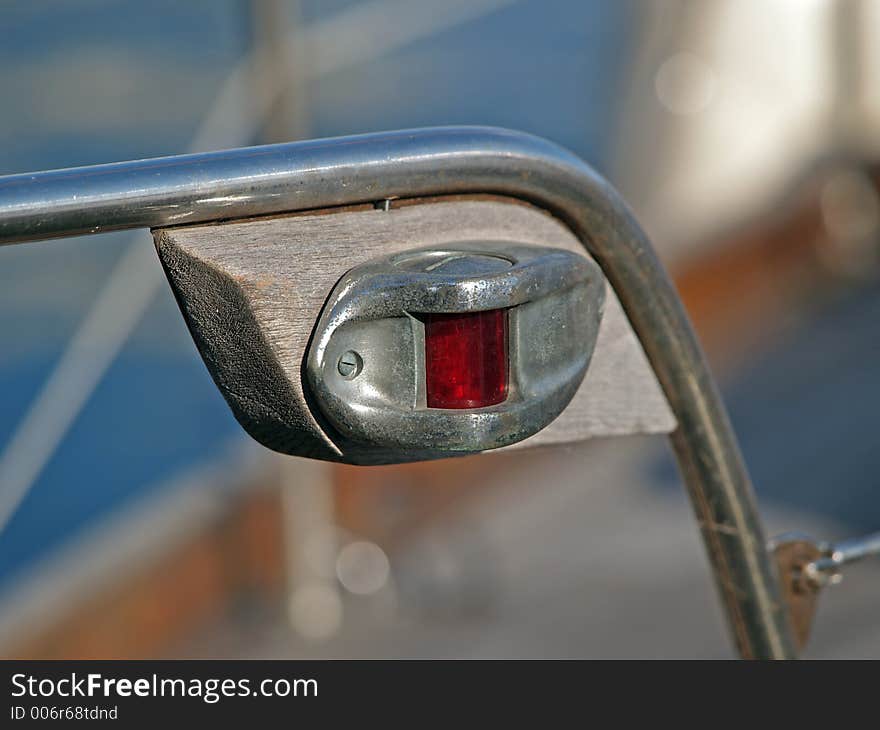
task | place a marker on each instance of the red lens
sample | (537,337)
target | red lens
(466,359)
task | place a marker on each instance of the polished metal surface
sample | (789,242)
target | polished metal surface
(322,173)
(554,300)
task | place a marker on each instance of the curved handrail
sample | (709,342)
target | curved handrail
(458,160)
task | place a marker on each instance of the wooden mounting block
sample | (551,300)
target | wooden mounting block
(251,292)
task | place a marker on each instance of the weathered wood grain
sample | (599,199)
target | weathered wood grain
(252,290)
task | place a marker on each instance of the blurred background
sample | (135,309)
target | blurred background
(137,519)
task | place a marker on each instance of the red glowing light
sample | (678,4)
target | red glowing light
(466,359)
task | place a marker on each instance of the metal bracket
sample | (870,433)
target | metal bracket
(807,566)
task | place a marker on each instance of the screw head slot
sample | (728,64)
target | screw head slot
(350,365)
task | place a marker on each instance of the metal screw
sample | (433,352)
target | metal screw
(350,365)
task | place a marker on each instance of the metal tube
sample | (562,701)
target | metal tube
(843,553)
(856,548)
(458,160)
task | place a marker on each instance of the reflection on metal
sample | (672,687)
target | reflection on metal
(374,317)
(806,566)
(322,173)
